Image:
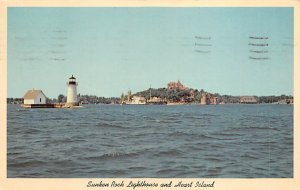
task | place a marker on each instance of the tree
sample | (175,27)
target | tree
(60,98)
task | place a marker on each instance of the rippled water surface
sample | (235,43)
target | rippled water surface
(232,141)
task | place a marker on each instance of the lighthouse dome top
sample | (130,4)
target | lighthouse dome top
(72,81)
(72,77)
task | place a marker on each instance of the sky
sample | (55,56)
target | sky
(111,50)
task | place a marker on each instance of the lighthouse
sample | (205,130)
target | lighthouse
(72,92)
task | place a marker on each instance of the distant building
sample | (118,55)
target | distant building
(207,99)
(290,101)
(176,85)
(155,99)
(214,100)
(248,100)
(34,97)
(204,99)
(138,100)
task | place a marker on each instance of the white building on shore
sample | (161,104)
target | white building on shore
(34,97)
(137,100)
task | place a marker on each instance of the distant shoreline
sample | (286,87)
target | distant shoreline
(223,99)
(175,104)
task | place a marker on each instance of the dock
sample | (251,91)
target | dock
(43,105)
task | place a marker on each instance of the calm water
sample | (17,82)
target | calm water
(232,141)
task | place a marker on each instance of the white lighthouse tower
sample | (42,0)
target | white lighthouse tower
(72,92)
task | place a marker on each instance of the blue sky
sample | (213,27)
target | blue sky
(111,50)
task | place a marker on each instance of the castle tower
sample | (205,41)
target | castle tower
(72,92)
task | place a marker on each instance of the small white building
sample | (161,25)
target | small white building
(34,97)
(138,100)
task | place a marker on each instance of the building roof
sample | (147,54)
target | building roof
(31,94)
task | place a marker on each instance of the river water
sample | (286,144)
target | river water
(101,141)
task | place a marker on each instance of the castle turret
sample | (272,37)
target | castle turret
(72,92)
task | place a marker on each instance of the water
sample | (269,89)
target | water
(224,141)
